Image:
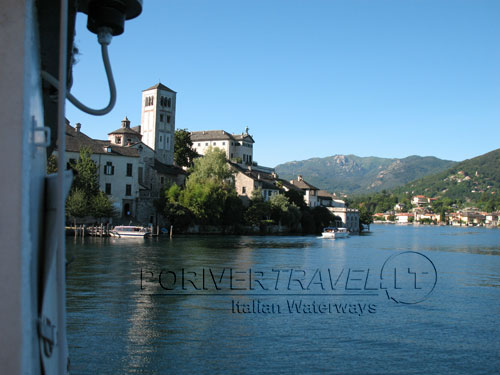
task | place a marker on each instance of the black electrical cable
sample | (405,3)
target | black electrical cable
(104,39)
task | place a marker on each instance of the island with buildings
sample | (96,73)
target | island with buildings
(135,166)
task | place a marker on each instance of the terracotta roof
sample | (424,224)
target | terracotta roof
(160,86)
(76,140)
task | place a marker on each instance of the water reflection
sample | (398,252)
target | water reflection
(115,327)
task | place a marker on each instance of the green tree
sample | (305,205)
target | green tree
(257,195)
(257,212)
(291,217)
(205,200)
(322,218)
(183,148)
(296,197)
(86,177)
(170,207)
(177,215)
(173,193)
(233,210)
(365,218)
(52,164)
(101,206)
(284,212)
(77,205)
(208,187)
(307,221)
(211,167)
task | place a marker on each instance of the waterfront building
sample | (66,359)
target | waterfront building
(349,217)
(404,217)
(427,215)
(472,217)
(310,191)
(492,218)
(117,166)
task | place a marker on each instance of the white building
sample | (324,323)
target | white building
(238,147)
(315,197)
(117,167)
(310,191)
(349,217)
(404,217)
(420,201)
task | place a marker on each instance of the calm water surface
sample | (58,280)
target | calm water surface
(115,327)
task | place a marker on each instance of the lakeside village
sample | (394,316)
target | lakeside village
(421,212)
(194,182)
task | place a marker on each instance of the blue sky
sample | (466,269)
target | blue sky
(315,78)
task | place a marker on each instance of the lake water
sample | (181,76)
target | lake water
(400,300)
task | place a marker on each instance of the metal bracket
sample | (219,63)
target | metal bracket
(47,332)
(41,135)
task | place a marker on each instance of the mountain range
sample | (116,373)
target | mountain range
(468,180)
(351,174)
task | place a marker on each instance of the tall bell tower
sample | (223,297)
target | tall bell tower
(158,121)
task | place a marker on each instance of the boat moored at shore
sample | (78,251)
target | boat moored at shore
(130,231)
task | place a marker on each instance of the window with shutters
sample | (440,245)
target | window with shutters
(109,169)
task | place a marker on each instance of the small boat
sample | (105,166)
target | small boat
(129,231)
(334,232)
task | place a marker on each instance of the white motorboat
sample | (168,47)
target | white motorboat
(129,231)
(334,232)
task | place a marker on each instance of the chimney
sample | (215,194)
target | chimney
(299,177)
(78,126)
(274,175)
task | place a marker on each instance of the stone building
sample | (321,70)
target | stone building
(248,179)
